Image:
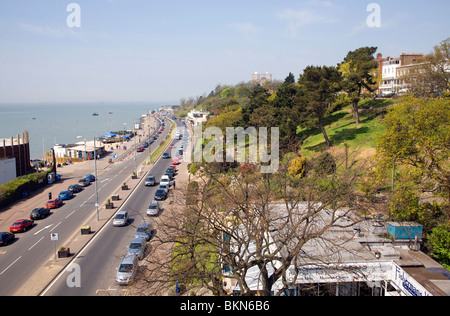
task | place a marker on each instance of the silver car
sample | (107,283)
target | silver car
(150,181)
(154,209)
(137,248)
(144,231)
(127,270)
(121,218)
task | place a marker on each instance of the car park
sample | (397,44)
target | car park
(137,248)
(6,238)
(53,203)
(65,195)
(127,270)
(160,195)
(75,188)
(154,209)
(39,213)
(144,231)
(21,225)
(150,181)
(121,218)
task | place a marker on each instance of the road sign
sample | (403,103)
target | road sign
(54,236)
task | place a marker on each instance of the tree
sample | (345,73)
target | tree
(440,244)
(358,71)
(431,75)
(235,227)
(418,135)
(320,85)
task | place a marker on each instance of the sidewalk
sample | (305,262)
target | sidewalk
(69,175)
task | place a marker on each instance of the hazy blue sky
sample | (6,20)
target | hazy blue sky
(161,51)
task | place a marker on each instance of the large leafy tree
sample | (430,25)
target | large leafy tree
(418,135)
(358,71)
(320,86)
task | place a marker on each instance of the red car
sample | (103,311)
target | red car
(54,203)
(21,226)
(175,162)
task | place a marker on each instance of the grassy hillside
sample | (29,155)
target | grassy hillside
(342,129)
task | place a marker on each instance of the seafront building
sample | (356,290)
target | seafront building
(14,157)
(373,258)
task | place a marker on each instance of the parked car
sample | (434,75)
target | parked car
(150,181)
(175,162)
(75,188)
(89,177)
(160,195)
(144,231)
(54,203)
(6,238)
(137,248)
(140,149)
(84,182)
(39,213)
(154,209)
(166,155)
(121,218)
(65,195)
(127,270)
(21,225)
(165,179)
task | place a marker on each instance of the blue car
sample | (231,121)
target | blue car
(65,195)
(89,177)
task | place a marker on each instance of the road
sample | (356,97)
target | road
(32,250)
(99,261)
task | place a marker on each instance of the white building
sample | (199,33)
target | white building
(352,260)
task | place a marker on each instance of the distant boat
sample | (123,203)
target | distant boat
(110,112)
(95,114)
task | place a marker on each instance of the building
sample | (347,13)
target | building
(261,78)
(17,149)
(78,152)
(355,257)
(392,69)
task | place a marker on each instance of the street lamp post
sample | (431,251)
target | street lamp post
(96,179)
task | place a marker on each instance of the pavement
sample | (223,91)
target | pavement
(69,175)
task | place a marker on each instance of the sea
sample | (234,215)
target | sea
(68,123)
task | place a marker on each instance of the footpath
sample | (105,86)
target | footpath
(69,175)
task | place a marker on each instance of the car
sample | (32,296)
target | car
(150,181)
(137,248)
(145,144)
(6,238)
(65,195)
(165,187)
(160,195)
(175,162)
(170,174)
(84,182)
(89,177)
(54,203)
(140,149)
(39,213)
(75,188)
(166,155)
(127,270)
(21,225)
(165,179)
(121,219)
(144,231)
(154,209)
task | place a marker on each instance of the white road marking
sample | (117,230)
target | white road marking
(10,265)
(35,244)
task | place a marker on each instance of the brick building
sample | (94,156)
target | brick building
(18,149)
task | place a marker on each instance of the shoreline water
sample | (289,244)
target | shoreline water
(68,123)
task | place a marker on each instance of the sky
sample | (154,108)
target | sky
(162,51)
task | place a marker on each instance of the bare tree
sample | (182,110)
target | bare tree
(255,230)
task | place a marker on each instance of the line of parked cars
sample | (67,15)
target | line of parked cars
(23,225)
(136,250)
